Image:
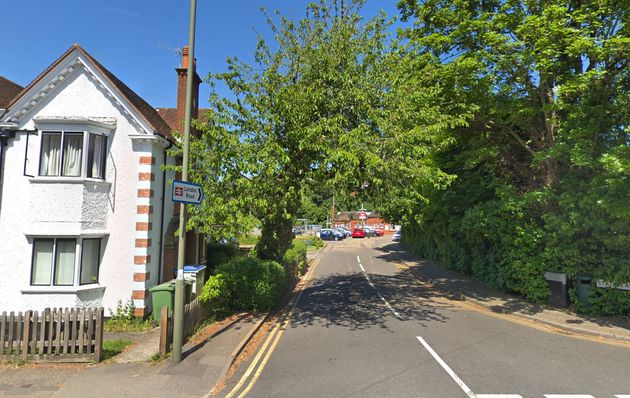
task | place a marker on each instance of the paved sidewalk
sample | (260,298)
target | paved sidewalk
(461,287)
(132,373)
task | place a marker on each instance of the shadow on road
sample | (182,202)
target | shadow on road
(454,284)
(349,301)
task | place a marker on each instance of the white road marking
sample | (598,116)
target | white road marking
(358,259)
(448,370)
(498,396)
(396,314)
(568,396)
(622,396)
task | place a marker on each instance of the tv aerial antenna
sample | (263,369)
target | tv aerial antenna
(177,52)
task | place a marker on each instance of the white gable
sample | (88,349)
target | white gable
(74,88)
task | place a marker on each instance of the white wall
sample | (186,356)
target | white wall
(31,209)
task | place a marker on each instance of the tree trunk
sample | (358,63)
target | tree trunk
(275,240)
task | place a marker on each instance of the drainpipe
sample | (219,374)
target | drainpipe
(161,257)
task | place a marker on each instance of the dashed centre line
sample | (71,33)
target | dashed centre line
(389,307)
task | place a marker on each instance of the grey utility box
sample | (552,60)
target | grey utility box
(559,290)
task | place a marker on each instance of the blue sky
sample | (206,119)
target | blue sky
(136,39)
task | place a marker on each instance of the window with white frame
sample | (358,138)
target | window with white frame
(56,261)
(62,154)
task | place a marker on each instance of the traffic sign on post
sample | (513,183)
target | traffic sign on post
(187,192)
(362,215)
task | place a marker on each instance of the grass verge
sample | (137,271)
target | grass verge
(111,348)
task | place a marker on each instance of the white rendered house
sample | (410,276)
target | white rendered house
(85,209)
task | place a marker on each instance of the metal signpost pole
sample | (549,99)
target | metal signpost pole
(178,317)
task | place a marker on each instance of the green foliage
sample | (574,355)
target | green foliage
(609,302)
(301,116)
(295,259)
(123,319)
(123,312)
(538,174)
(495,132)
(311,241)
(112,348)
(249,240)
(245,284)
(218,253)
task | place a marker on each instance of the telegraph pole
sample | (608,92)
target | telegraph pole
(178,316)
(332,213)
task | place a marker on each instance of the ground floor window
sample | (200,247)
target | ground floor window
(57,261)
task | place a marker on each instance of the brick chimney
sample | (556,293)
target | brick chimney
(182,74)
(192,237)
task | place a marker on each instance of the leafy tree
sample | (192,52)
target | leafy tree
(540,167)
(301,114)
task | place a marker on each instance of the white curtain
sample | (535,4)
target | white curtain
(42,262)
(64,266)
(51,149)
(97,156)
(72,150)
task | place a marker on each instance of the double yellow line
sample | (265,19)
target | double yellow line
(255,369)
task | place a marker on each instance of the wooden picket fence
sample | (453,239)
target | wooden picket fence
(194,314)
(57,335)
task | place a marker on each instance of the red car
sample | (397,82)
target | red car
(358,233)
(379,232)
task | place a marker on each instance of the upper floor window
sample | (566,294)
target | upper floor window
(62,154)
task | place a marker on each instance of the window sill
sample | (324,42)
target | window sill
(67,180)
(61,289)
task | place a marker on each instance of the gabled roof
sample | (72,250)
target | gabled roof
(8,91)
(169,115)
(346,216)
(147,112)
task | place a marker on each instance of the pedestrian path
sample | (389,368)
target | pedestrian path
(461,287)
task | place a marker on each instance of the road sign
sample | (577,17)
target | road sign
(362,215)
(187,192)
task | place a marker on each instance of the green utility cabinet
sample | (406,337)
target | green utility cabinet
(583,288)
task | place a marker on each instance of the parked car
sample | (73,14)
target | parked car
(330,234)
(379,232)
(358,233)
(344,231)
(396,236)
(369,231)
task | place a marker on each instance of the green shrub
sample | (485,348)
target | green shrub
(245,284)
(317,242)
(218,253)
(311,241)
(295,259)
(123,319)
(609,301)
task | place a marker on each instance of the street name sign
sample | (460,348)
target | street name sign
(187,192)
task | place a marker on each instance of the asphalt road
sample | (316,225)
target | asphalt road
(364,328)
